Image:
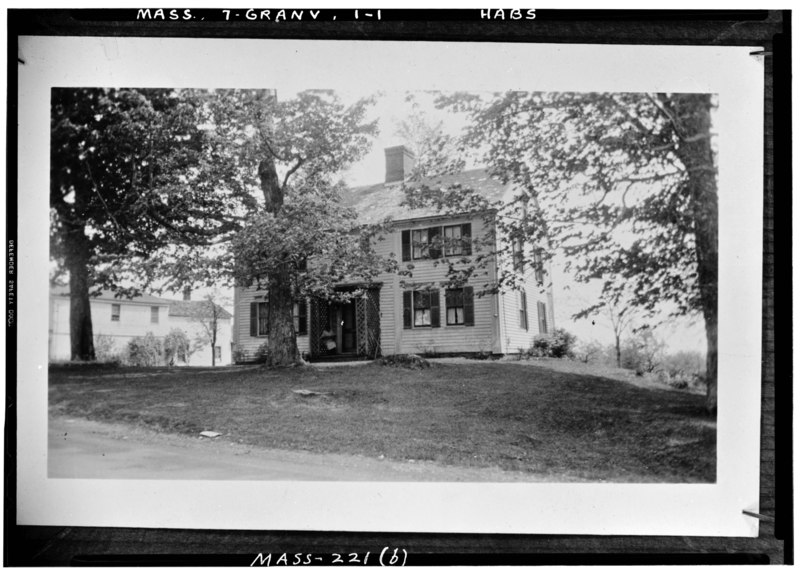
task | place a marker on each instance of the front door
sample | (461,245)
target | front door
(346,327)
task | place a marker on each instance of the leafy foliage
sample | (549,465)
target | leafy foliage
(177,346)
(106,349)
(147,351)
(643,352)
(624,184)
(558,344)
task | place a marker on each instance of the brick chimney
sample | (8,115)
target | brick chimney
(399,162)
(187,293)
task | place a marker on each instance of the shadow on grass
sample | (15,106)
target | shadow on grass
(516,417)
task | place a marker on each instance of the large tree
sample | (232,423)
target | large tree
(131,171)
(624,184)
(298,239)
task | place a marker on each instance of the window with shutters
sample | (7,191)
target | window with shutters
(457,240)
(115,311)
(523,310)
(542,311)
(421,308)
(459,305)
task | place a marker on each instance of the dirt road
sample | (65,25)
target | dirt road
(80,448)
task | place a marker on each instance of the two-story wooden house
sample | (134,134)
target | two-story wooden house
(417,313)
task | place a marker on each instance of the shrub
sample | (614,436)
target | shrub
(262,353)
(558,344)
(177,347)
(588,352)
(405,361)
(239,355)
(643,352)
(145,351)
(105,349)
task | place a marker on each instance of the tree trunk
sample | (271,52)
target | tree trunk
(80,314)
(619,353)
(695,152)
(281,339)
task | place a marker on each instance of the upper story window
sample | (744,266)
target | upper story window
(538,265)
(154,314)
(115,311)
(518,254)
(435,241)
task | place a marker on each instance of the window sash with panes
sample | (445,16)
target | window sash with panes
(259,318)
(422,309)
(116,310)
(426,243)
(538,262)
(454,301)
(154,315)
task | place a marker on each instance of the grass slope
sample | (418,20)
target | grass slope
(519,417)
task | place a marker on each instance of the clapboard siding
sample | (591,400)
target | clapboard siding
(244,343)
(482,337)
(514,337)
(496,324)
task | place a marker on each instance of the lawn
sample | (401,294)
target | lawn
(521,417)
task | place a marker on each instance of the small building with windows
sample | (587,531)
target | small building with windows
(421,312)
(117,320)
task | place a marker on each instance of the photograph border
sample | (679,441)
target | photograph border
(478,30)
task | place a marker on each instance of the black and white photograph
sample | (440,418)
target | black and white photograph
(401,330)
(373,278)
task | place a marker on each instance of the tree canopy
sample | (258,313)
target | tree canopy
(624,185)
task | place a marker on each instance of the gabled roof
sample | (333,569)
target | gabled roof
(379,201)
(110,296)
(198,309)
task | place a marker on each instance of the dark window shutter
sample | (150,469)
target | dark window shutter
(302,316)
(542,311)
(406,240)
(407,310)
(524,314)
(466,239)
(253,319)
(435,241)
(469,306)
(434,305)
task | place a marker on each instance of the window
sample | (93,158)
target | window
(217,352)
(542,311)
(421,308)
(518,254)
(419,243)
(457,240)
(153,315)
(259,318)
(301,318)
(460,306)
(523,310)
(115,311)
(426,243)
(538,266)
